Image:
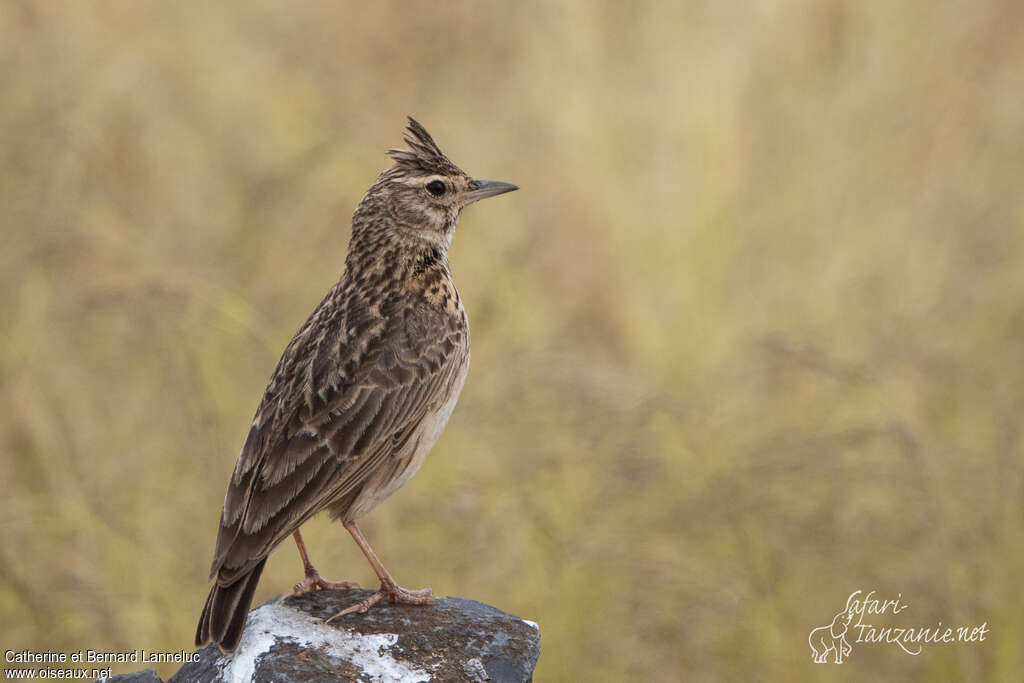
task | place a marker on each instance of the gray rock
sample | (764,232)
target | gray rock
(453,640)
(147,676)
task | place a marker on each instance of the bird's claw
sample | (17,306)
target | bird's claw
(314,581)
(395,594)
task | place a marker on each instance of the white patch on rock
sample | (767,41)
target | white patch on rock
(532,624)
(269,623)
(474,668)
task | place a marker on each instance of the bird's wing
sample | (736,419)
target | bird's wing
(325,437)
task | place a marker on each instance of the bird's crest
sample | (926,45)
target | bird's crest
(423,156)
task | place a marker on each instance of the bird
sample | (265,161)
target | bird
(361,393)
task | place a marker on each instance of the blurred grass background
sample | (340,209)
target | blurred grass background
(750,337)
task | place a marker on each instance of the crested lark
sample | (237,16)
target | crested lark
(361,393)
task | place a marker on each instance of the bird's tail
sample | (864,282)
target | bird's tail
(223,618)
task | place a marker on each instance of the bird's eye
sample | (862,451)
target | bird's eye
(436,188)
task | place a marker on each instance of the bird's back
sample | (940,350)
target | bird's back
(358,398)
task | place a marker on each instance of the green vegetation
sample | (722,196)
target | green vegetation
(750,337)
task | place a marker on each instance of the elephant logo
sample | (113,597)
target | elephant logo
(832,637)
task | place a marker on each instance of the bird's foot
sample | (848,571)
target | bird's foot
(314,581)
(394,593)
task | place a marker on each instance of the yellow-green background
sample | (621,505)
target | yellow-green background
(750,337)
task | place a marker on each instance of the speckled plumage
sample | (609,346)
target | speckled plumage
(364,388)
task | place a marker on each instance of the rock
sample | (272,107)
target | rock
(452,640)
(146,676)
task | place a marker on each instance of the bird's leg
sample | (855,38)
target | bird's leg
(388,588)
(313,580)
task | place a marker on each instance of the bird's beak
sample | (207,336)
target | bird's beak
(482,189)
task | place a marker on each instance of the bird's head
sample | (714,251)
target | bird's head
(424,192)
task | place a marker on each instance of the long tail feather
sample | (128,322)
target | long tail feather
(223,617)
